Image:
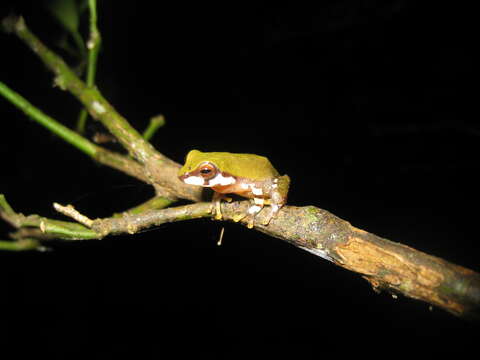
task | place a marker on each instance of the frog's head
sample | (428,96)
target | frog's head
(201,169)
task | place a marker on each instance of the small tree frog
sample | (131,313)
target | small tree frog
(248,175)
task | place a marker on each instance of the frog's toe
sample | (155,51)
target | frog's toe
(266,220)
(238,216)
(216,212)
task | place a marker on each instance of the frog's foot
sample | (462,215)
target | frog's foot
(215,209)
(250,215)
(253,211)
(238,216)
(274,210)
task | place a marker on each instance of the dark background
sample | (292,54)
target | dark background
(367,105)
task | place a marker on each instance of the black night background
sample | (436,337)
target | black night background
(368,106)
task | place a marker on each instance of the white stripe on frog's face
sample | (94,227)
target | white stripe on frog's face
(194,180)
(219,179)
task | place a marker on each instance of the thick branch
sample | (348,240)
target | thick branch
(385,264)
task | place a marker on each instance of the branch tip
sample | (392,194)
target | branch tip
(13,23)
(70,211)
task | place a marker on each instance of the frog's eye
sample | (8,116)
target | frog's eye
(207,171)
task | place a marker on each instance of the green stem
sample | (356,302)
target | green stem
(155,203)
(98,107)
(156,123)
(82,121)
(46,121)
(93,46)
(21,245)
(106,157)
(47,227)
(67,230)
(77,39)
(5,206)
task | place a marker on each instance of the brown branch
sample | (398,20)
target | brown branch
(385,264)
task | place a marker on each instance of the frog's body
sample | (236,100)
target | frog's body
(248,175)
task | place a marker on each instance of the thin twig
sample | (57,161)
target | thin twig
(155,123)
(70,211)
(93,48)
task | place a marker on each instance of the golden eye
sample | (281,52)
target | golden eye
(207,171)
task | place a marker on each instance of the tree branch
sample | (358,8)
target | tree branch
(385,264)
(159,169)
(102,155)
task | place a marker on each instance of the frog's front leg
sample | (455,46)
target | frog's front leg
(216,202)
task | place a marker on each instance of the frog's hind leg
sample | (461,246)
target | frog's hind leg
(278,197)
(274,208)
(253,210)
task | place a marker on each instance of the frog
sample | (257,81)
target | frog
(247,175)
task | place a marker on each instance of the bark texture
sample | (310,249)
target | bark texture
(387,265)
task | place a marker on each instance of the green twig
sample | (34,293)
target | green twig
(20,245)
(155,123)
(5,206)
(49,228)
(98,107)
(93,46)
(77,39)
(81,121)
(155,203)
(51,124)
(100,154)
